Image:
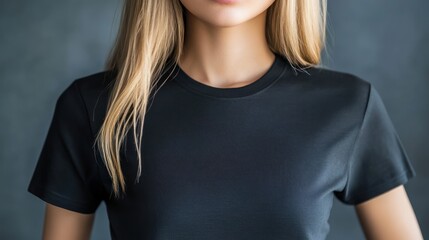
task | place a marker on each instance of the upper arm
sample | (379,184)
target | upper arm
(389,216)
(64,224)
(66,174)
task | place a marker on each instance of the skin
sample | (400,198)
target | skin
(64,224)
(220,39)
(389,216)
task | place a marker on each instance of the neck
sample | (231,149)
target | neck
(226,56)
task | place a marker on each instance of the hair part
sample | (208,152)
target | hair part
(152,31)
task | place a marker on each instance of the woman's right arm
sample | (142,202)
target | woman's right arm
(64,224)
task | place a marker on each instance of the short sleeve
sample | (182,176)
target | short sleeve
(378,161)
(66,172)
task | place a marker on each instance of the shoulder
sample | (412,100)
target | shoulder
(329,92)
(333,84)
(95,82)
(324,77)
(88,85)
(89,94)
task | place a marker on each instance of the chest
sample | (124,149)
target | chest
(235,168)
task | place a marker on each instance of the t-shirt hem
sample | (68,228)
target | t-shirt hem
(54,198)
(385,186)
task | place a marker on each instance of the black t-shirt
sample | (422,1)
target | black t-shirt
(262,161)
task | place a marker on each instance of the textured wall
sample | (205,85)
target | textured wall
(44,45)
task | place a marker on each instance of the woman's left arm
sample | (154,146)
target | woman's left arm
(389,216)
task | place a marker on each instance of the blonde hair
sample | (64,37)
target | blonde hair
(152,31)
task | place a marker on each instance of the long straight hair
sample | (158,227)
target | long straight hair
(152,31)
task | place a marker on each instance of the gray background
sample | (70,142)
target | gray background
(44,45)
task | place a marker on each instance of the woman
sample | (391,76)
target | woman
(244,136)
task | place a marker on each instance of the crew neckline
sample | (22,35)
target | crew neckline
(278,68)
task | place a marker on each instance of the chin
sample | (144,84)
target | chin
(225,15)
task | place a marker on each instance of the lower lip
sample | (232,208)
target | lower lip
(226,1)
